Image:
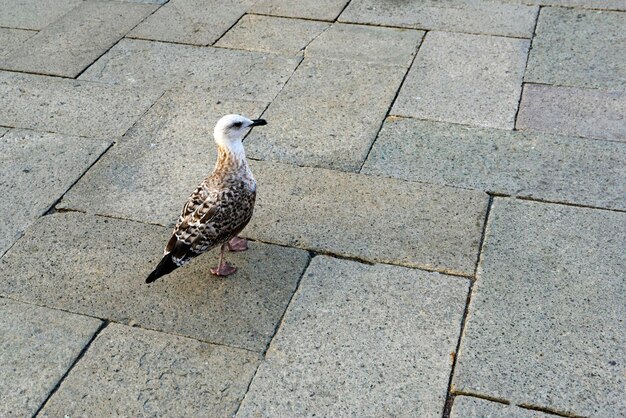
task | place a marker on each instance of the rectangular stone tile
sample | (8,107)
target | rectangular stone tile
(579,48)
(272,34)
(11,39)
(589,4)
(367,44)
(540,166)
(149,174)
(325,117)
(37,347)
(213,71)
(33,14)
(467,79)
(134,372)
(465,406)
(455,16)
(197,22)
(376,219)
(573,111)
(556,340)
(97,266)
(72,43)
(321,9)
(35,170)
(361,340)
(69,106)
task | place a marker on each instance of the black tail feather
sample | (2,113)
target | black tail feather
(165,266)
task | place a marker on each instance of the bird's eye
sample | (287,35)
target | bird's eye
(237,125)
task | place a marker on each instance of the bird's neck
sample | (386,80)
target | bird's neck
(231,157)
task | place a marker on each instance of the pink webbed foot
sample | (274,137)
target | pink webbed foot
(238,244)
(224,269)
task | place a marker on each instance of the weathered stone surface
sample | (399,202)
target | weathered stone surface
(573,111)
(361,340)
(376,219)
(272,34)
(541,166)
(579,48)
(33,14)
(545,325)
(210,71)
(455,16)
(198,22)
(321,9)
(324,117)
(97,266)
(367,44)
(3,131)
(480,85)
(11,39)
(465,406)
(37,346)
(134,372)
(35,170)
(69,106)
(70,44)
(589,4)
(150,173)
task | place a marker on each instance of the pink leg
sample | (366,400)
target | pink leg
(223,268)
(238,244)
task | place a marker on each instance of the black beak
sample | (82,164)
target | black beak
(259,122)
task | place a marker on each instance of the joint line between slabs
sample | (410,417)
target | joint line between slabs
(76,360)
(393,101)
(228,30)
(530,48)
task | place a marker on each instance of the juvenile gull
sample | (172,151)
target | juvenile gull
(219,208)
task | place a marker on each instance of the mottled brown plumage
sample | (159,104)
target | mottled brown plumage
(219,208)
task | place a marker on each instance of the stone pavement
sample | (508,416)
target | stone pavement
(440,228)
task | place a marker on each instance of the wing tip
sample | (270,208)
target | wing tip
(165,266)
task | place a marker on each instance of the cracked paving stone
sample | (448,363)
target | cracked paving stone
(134,372)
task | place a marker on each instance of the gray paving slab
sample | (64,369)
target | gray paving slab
(482,17)
(361,340)
(11,39)
(272,34)
(97,266)
(579,48)
(321,9)
(37,347)
(33,14)
(35,170)
(3,131)
(589,4)
(465,406)
(375,219)
(197,22)
(367,44)
(573,111)
(70,44)
(556,340)
(150,173)
(324,117)
(480,85)
(134,372)
(213,71)
(69,106)
(541,166)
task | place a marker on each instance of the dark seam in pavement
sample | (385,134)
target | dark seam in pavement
(393,101)
(119,40)
(293,17)
(227,30)
(80,356)
(278,325)
(549,411)
(479,396)
(530,48)
(450,394)
(63,77)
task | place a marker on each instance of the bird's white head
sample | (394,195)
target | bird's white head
(230,130)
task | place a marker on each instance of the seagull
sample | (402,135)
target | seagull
(219,208)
